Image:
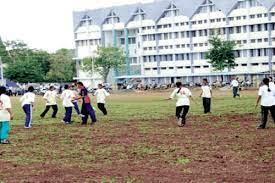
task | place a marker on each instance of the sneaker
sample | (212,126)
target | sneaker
(27,127)
(180,122)
(260,127)
(62,121)
(6,141)
(81,115)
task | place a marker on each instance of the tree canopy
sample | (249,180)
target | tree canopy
(24,64)
(107,58)
(221,55)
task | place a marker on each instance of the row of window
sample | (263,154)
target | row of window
(131,40)
(91,42)
(204,66)
(201,56)
(250,16)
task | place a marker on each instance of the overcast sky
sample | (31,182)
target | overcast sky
(45,24)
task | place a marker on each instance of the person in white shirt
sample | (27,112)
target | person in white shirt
(27,101)
(101,95)
(75,100)
(67,97)
(206,95)
(266,95)
(235,85)
(50,97)
(5,115)
(271,82)
(182,95)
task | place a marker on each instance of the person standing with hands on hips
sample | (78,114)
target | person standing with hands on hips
(206,95)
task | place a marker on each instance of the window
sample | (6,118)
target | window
(252,16)
(219,20)
(244,17)
(259,16)
(259,40)
(231,18)
(255,64)
(252,28)
(244,65)
(132,40)
(238,29)
(231,30)
(206,66)
(122,41)
(244,41)
(253,40)
(244,29)
(147,69)
(259,27)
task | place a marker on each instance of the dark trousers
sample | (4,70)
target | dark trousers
(181,112)
(28,112)
(76,108)
(235,92)
(206,104)
(87,110)
(101,107)
(55,109)
(68,114)
(264,112)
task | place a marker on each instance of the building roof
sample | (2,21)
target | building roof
(155,9)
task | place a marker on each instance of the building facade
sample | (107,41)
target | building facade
(167,40)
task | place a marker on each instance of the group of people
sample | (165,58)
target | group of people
(266,97)
(77,91)
(70,97)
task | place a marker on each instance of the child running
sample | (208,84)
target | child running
(67,96)
(27,101)
(5,116)
(50,97)
(266,95)
(182,95)
(206,95)
(87,109)
(101,95)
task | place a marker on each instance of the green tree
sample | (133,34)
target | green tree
(24,71)
(27,65)
(221,55)
(108,58)
(4,53)
(62,66)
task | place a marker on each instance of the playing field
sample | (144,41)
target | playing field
(139,141)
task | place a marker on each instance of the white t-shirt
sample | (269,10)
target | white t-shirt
(182,95)
(272,85)
(234,83)
(206,91)
(67,97)
(27,98)
(101,94)
(5,103)
(50,96)
(268,98)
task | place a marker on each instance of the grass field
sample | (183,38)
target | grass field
(139,141)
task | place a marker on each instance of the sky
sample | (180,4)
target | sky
(46,24)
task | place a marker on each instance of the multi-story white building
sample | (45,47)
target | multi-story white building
(166,40)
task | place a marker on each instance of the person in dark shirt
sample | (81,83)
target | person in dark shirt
(87,109)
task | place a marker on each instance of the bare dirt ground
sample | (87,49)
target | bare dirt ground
(208,149)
